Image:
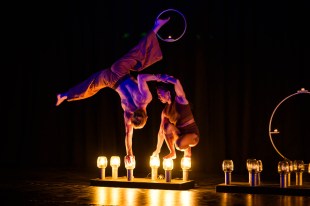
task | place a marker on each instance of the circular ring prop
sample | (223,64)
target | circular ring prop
(302,91)
(175,28)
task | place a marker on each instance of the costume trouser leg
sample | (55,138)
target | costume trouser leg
(144,54)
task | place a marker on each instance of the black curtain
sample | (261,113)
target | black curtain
(236,61)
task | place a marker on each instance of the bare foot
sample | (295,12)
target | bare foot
(170,156)
(188,152)
(60,99)
(159,23)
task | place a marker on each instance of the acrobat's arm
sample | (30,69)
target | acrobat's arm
(160,136)
(128,137)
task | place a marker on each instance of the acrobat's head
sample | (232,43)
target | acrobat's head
(165,92)
(139,118)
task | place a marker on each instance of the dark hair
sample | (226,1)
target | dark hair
(139,123)
(163,86)
(166,87)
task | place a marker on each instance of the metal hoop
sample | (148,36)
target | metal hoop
(302,91)
(185,26)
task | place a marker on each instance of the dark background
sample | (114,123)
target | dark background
(236,61)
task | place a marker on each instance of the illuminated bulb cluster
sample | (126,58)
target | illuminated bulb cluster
(254,167)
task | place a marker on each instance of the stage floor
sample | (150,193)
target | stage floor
(71,187)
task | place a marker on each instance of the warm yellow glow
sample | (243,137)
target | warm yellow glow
(115,161)
(186,198)
(299,166)
(284,166)
(137,197)
(154,161)
(155,197)
(115,195)
(132,164)
(252,164)
(186,163)
(225,200)
(309,168)
(107,196)
(100,195)
(260,166)
(168,164)
(228,166)
(131,196)
(102,162)
(169,197)
(291,165)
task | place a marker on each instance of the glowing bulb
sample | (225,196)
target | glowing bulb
(228,167)
(130,165)
(299,168)
(252,166)
(154,161)
(115,163)
(284,169)
(283,166)
(102,163)
(168,166)
(154,164)
(186,163)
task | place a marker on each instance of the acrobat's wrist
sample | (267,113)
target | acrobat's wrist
(157,76)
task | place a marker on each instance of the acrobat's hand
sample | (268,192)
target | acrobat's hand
(155,154)
(129,159)
(164,78)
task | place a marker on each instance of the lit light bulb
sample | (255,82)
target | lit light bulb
(168,166)
(115,163)
(259,170)
(154,164)
(102,163)
(185,165)
(228,167)
(299,168)
(291,169)
(283,169)
(253,167)
(130,166)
